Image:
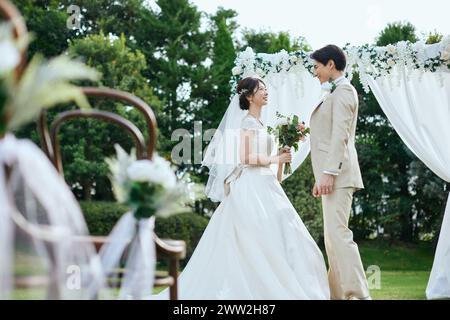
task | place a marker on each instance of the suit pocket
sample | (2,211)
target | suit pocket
(323,146)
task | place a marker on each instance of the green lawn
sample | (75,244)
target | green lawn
(398,256)
(401,285)
(404,271)
(404,268)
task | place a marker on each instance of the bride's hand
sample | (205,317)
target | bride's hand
(285,157)
(283,150)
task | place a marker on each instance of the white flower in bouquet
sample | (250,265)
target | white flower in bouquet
(280,122)
(10,56)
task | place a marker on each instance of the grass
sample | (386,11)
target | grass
(401,285)
(398,256)
(404,271)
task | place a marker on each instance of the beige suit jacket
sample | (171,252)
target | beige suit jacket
(333,129)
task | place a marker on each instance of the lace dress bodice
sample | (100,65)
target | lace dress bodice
(262,142)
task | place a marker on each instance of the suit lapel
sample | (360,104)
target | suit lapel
(320,103)
(317,107)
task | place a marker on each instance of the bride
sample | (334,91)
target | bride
(255,245)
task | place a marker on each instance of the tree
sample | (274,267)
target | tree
(48,25)
(85,143)
(270,42)
(223,57)
(395,32)
(47,19)
(176,55)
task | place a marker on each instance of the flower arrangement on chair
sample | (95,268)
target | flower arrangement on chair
(150,188)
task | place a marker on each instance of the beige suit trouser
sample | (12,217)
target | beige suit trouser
(346,273)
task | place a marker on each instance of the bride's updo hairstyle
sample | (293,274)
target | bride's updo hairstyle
(245,89)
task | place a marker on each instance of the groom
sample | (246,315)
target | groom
(337,173)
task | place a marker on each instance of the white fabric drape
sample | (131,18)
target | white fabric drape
(42,227)
(418,106)
(133,239)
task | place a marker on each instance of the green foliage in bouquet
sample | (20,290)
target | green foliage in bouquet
(288,132)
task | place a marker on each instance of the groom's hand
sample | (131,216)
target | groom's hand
(326,183)
(315,191)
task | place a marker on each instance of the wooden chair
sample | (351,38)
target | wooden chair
(169,249)
(173,250)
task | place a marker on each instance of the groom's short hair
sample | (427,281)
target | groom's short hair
(331,52)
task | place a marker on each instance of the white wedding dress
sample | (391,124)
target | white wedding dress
(255,245)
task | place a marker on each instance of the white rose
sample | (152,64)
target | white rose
(281,122)
(293,58)
(10,56)
(157,171)
(236,71)
(390,62)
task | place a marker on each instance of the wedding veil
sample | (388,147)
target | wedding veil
(222,153)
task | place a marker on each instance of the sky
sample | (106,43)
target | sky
(338,22)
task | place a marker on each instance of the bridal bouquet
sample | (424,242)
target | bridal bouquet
(288,132)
